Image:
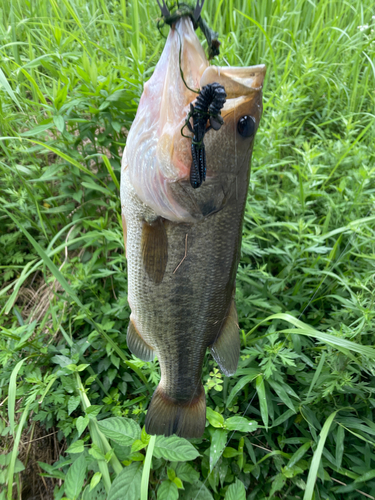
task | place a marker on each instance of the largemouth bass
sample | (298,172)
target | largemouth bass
(183,244)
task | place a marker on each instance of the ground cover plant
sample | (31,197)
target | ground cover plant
(297,419)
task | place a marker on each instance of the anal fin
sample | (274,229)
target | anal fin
(226,348)
(137,345)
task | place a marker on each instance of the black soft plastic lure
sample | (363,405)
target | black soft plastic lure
(208,106)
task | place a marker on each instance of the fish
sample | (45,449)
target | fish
(183,243)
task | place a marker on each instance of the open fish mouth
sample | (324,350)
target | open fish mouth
(157,154)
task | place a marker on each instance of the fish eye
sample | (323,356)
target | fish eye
(246,126)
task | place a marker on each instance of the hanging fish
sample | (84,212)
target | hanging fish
(183,240)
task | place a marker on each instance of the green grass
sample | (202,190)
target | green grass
(71,76)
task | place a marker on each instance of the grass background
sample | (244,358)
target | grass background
(71,75)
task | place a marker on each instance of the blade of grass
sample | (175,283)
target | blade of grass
(4,83)
(316,374)
(304,329)
(313,472)
(99,439)
(268,42)
(12,394)
(16,443)
(261,390)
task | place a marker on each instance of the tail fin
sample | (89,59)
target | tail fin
(167,416)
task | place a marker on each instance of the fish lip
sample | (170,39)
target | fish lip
(237,81)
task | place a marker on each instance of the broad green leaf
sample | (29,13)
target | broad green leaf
(313,472)
(73,403)
(81,424)
(145,438)
(196,491)
(241,384)
(122,430)
(96,452)
(236,491)
(215,418)
(75,478)
(62,360)
(59,121)
(76,447)
(293,471)
(93,411)
(18,466)
(138,445)
(186,472)
(97,493)
(262,399)
(171,474)
(241,424)
(95,480)
(218,442)
(175,449)
(177,481)
(127,485)
(167,491)
(277,484)
(230,452)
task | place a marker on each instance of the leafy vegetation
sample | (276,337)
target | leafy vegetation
(296,421)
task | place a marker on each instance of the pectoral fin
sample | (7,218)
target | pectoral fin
(137,345)
(155,249)
(226,349)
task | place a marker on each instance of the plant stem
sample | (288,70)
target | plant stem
(146,468)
